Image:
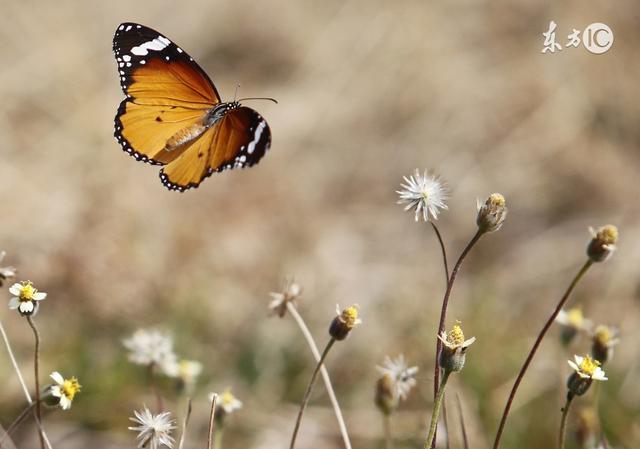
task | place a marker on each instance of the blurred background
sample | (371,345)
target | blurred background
(368,91)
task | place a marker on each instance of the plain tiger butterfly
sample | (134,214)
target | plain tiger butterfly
(173,115)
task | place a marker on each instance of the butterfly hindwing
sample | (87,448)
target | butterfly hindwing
(239,139)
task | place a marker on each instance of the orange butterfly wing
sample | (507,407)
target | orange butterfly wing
(238,140)
(166,93)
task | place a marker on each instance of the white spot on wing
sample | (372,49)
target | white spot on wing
(256,136)
(126,58)
(156,44)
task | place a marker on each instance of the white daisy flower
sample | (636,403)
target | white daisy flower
(401,374)
(278,304)
(574,319)
(227,402)
(64,389)
(587,368)
(424,193)
(154,430)
(25,297)
(454,340)
(189,370)
(150,347)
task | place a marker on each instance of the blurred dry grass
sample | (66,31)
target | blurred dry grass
(368,90)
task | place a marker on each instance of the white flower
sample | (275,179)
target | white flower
(454,340)
(278,304)
(587,368)
(150,347)
(154,430)
(227,402)
(64,389)
(574,319)
(189,370)
(424,193)
(25,297)
(401,374)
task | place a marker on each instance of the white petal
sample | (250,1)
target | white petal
(26,307)
(15,289)
(14,303)
(39,296)
(573,365)
(57,377)
(65,403)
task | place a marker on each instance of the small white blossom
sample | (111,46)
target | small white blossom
(154,430)
(150,347)
(587,368)
(424,193)
(401,374)
(227,402)
(188,371)
(25,297)
(64,389)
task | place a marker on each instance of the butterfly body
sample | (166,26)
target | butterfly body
(173,116)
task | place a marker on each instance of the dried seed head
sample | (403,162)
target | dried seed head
(603,243)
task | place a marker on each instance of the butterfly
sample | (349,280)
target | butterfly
(173,115)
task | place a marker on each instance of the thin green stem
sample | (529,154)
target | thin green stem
(388,441)
(154,387)
(25,389)
(323,372)
(445,305)
(212,417)
(436,411)
(563,423)
(307,394)
(16,422)
(217,441)
(185,423)
(533,350)
(36,369)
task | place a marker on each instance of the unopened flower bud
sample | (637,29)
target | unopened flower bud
(492,213)
(603,243)
(386,399)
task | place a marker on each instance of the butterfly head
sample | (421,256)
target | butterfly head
(218,111)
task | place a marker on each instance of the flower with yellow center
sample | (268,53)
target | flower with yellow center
(587,368)
(603,243)
(492,213)
(25,297)
(64,389)
(604,339)
(344,322)
(227,402)
(455,339)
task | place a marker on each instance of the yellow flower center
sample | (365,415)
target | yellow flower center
(227,398)
(27,291)
(349,316)
(496,199)
(70,387)
(603,335)
(575,317)
(456,336)
(589,366)
(608,234)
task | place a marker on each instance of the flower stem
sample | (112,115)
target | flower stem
(25,389)
(154,387)
(541,335)
(16,422)
(217,441)
(388,441)
(444,252)
(445,304)
(436,411)
(36,369)
(212,417)
(563,423)
(307,394)
(185,423)
(323,371)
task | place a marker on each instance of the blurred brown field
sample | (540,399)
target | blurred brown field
(367,91)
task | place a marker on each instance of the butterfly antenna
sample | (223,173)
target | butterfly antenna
(235,95)
(259,98)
